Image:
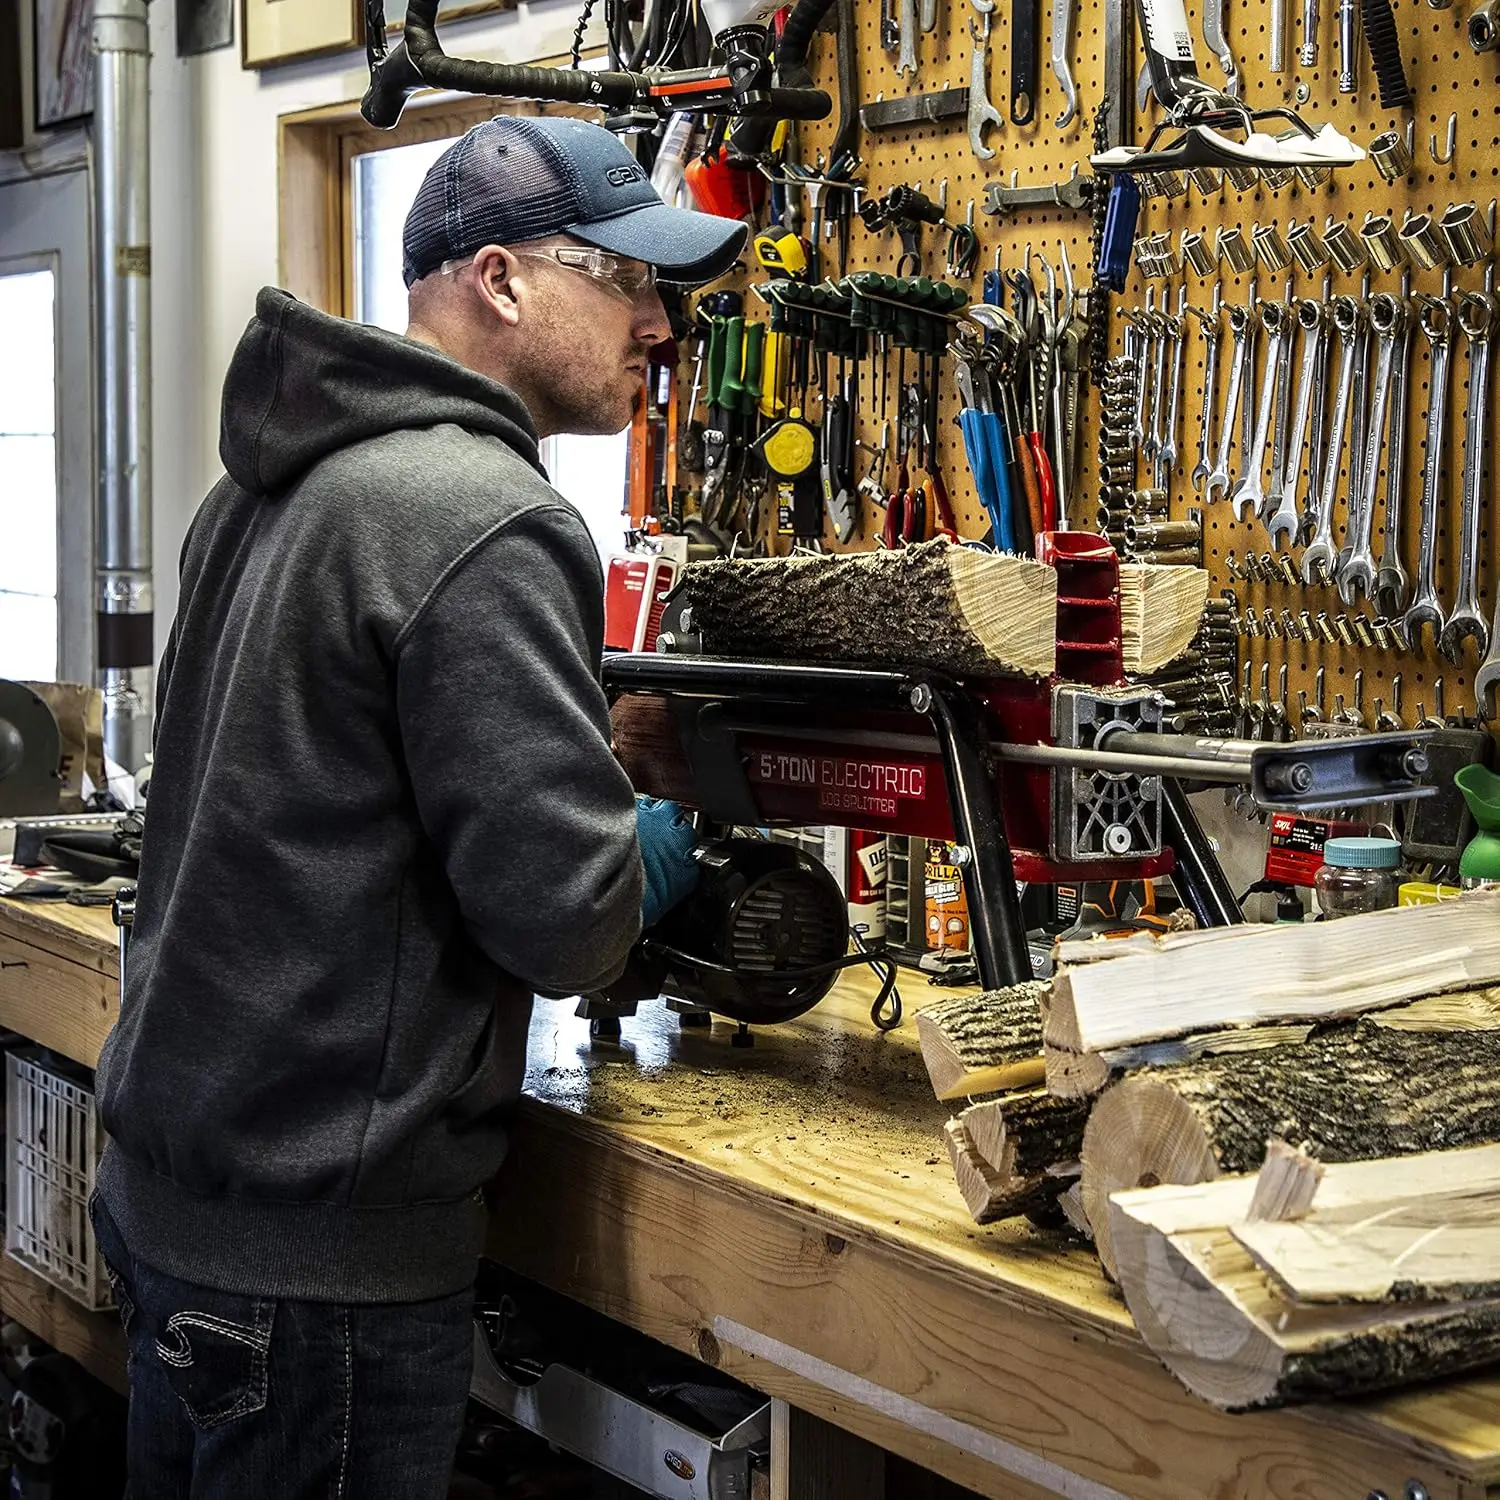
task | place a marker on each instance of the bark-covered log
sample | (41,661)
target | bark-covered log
(985,1043)
(1076,1075)
(1006,1152)
(1234,1335)
(1356,1091)
(934,605)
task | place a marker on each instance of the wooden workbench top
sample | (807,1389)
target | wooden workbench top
(787,1212)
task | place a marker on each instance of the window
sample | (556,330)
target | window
(590,471)
(28,473)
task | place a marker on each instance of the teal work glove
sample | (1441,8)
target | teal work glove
(667,841)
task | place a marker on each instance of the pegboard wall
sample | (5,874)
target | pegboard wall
(1447,78)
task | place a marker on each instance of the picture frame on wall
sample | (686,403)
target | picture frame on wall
(277,31)
(62,61)
(453,10)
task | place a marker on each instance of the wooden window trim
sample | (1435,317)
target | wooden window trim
(315,148)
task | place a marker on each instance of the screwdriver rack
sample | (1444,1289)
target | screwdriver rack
(1449,81)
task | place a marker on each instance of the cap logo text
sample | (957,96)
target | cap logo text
(619,176)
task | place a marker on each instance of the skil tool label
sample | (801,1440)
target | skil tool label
(843,784)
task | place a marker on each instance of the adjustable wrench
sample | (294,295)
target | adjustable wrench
(1239,327)
(1210,322)
(1250,490)
(1356,566)
(1177,332)
(1317,558)
(1476,320)
(1062,24)
(1311,320)
(1436,321)
(1389,594)
(982,114)
(906,59)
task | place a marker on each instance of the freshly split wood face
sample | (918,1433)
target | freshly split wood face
(1357,1294)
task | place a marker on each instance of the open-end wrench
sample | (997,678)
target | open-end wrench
(1317,558)
(1389,593)
(1177,332)
(1312,320)
(1240,319)
(1436,322)
(1250,491)
(982,114)
(929,14)
(1247,400)
(1210,323)
(1476,320)
(1062,24)
(906,58)
(1356,566)
(1359,406)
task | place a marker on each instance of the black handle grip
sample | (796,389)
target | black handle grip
(393,80)
(1025,52)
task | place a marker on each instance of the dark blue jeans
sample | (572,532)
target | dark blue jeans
(261,1398)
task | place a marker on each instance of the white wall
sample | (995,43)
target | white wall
(214,231)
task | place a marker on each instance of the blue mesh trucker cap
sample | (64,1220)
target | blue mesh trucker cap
(513,179)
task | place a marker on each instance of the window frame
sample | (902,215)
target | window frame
(73,560)
(315,152)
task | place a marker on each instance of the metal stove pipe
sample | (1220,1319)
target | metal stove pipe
(122,324)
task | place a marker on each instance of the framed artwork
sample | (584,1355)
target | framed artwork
(63,61)
(275,31)
(453,10)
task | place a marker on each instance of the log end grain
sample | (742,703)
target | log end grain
(1140,1133)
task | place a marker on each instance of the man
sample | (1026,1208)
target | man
(384,811)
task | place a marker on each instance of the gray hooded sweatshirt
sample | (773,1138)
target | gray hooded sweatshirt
(383,812)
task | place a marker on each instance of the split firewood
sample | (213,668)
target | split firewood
(1228,1324)
(1463,1010)
(1012,1155)
(1147,989)
(1076,1075)
(1355,1091)
(984,1043)
(1415,1228)
(933,605)
(1160,611)
(1286,1184)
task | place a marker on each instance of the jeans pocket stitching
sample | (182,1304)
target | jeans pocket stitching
(256,1339)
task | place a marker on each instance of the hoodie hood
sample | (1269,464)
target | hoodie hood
(303,384)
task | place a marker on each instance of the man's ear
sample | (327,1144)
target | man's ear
(495,274)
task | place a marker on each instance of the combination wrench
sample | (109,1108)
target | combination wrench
(1249,492)
(1312,320)
(1213,34)
(1476,320)
(1280,419)
(1436,323)
(1389,593)
(1356,565)
(1317,557)
(1177,332)
(1239,328)
(1160,327)
(982,114)
(1210,324)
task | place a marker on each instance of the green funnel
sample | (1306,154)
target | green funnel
(1481,789)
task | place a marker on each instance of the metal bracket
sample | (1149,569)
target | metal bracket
(916,109)
(1076,193)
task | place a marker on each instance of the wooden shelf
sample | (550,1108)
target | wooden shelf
(94,1339)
